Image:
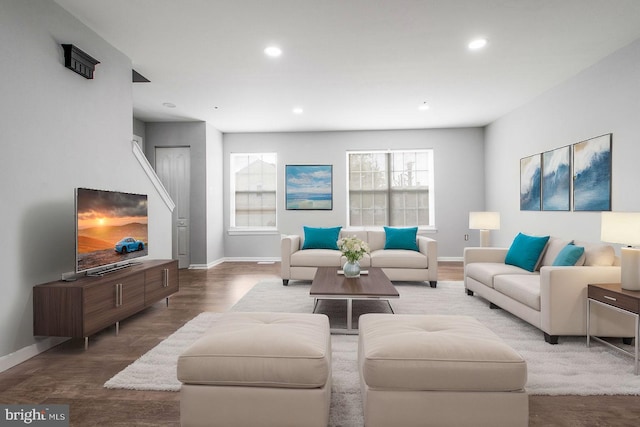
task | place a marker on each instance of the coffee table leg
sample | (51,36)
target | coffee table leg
(389,302)
(349,313)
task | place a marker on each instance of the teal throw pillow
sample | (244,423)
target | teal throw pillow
(525,251)
(401,238)
(321,237)
(569,255)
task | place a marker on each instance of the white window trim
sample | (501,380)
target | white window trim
(264,231)
(432,208)
(233,230)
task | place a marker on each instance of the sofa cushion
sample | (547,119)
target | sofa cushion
(360,234)
(485,272)
(401,238)
(321,237)
(522,288)
(554,246)
(597,254)
(569,255)
(316,258)
(398,259)
(376,239)
(364,262)
(525,251)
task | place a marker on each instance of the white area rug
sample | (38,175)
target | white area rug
(566,368)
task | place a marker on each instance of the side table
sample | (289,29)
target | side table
(612,296)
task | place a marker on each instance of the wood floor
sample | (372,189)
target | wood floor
(67,374)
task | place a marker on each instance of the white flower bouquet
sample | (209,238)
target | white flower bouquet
(353,248)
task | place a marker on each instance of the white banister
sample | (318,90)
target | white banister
(153,177)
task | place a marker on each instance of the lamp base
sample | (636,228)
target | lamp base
(630,268)
(484,239)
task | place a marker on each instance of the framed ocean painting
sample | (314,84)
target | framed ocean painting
(556,179)
(530,179)
(309,187)
(592,174)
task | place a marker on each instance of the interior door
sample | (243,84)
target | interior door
(173,166)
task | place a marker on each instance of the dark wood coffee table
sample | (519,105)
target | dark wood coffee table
(328,284)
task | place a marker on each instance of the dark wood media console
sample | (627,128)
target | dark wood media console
(81,308)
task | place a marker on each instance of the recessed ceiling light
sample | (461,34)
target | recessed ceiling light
(423,107)
(298,110)
(169,104)
(477,44)
(273,51)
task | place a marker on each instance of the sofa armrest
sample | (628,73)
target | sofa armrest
(429,247)
(563,296)
(484,255)
(288,245)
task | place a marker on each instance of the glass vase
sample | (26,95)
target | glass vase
(351,269)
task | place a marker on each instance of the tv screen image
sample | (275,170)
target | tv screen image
(111,228)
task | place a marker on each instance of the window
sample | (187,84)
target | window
(253,190)
(393,188)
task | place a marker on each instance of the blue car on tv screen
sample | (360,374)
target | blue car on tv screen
(129,244)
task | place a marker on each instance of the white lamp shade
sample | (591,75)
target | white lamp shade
(624,228)
(484,220)
(620,227)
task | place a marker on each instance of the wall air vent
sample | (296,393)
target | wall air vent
(78,61)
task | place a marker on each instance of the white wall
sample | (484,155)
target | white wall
(459,180)
(215,191)
(58,131)
(602,99)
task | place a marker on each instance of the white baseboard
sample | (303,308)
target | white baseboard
(206,266)
(26,353)
(253,259)
(451,258)
(233,259)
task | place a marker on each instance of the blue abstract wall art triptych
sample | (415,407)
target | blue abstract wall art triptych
(530,189)
(548,180)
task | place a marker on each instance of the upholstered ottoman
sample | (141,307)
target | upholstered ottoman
(258,369)
(433,370)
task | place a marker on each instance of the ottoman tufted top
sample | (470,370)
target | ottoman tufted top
(291,350)
(436,352)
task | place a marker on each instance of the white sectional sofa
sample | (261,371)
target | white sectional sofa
(551,298)
(397,264)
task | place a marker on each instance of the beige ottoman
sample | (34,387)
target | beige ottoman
(430,370)
(258,369)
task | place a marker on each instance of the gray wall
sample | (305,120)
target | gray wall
(139,128)
(602,99)
(58,131)
(459,180)
(215,192)
(205,143)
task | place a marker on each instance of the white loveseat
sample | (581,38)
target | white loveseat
(397,264)
(551,298)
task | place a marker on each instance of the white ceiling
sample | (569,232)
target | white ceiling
(352,64)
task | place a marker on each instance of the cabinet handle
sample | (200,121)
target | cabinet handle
(121,294)
(609,298)
(165,278)
(117,294)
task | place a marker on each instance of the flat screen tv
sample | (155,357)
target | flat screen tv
(111,229)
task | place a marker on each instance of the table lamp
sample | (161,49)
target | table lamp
(484,221)
(624,228)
